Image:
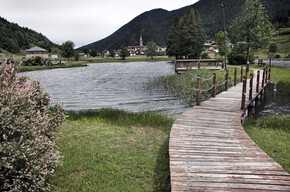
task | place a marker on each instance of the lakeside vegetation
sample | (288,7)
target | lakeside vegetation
(115,150)
(65,65)
(271,132)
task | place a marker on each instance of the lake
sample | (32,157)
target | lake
(110,85)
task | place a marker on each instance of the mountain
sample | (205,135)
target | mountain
(14,38)
(155,25)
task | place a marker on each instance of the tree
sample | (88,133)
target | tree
(124,52)
(151,49)
(67,49)
(86,50)
(273,47)
(112,53)
(94,52)
(77,55)
(219,39)
(186,38)
(252,27)
(172,39)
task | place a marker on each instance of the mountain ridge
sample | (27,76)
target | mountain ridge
(154,25)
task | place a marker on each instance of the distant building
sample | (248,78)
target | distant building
(139,49)
(36,52)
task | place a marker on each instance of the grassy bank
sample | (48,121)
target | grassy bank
(113,150)
(138,58)
(66,65)
(272,134)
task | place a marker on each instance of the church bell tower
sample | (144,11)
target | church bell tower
(141,41)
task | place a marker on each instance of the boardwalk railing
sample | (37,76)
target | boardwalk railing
(209,149)
(243,77)
(192,64)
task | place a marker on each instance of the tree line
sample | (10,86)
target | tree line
(14,38)
(250,31)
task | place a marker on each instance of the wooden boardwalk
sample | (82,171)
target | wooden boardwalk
(210,151)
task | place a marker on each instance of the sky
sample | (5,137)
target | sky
(81,21)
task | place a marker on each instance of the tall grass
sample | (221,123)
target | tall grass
(124,118)
(184,86)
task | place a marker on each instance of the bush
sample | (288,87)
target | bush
(27,147)
(277,56)
(238,56)
(34,61)
(205,56)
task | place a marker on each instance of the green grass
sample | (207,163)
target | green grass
(272,134)
(113,150)
(184,86)
(138,58)
(283,45)
(66,65)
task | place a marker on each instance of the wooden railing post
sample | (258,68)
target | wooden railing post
(214,85)
(235,78)
(251,87)
(241,73)
(198,90)
(244,93)
(263,79)
(258,82)
(227,80)
(269,73)
(266,76)
(198,63)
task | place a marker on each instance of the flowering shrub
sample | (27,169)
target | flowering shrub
(27,123)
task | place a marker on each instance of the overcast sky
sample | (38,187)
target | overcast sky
(81,21)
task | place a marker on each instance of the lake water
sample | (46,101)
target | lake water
(273,103)
(110,85)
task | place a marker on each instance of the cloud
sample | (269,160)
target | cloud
(82,22)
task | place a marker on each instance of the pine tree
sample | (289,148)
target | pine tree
(186,38)
(172,40)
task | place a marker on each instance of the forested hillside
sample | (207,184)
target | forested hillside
(14,38)
(155,25)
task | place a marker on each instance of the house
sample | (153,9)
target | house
(137,50)
(36,52)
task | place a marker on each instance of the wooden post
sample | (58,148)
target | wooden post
(251,87)
(227,80)
(241,73)
(214,85)
(266,75)
(198,90)
(263,79)
(244,93)
(269,73)
(235,78)
(198,63)
(258,82)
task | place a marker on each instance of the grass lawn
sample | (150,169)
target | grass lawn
(113,151)
(272,134)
